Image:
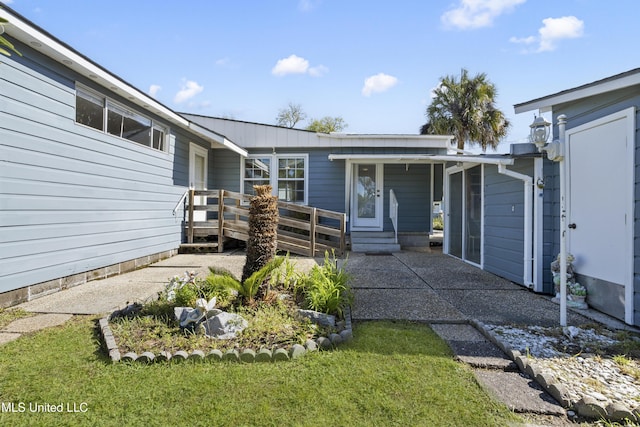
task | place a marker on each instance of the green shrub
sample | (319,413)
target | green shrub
(326,288)
(247,290)
(438,223)
(186,296)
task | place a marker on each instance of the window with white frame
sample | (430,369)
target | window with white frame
(99,112)
(257,171)
(286,173)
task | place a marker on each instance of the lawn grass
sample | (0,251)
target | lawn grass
(392,373)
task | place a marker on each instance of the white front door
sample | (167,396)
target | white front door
(600,200)
(367,199)
(198,161)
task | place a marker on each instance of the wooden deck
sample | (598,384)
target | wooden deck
(302,230)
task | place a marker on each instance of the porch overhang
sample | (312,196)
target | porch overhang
(421,158)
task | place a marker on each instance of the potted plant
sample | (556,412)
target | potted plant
(577,293)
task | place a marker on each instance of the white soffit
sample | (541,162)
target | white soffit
(420,158)
(546,103)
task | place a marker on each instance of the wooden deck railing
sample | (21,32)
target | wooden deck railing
(303,230)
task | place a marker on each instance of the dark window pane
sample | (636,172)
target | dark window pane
(158,139)
(89,113)
(136,128)
(114,123)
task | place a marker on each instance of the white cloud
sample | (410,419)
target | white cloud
(154,89)
(552,31)
(189,90)
(295,64)
(308,5)
(223,62)
(318,71)
(290,65)
(378,83)
(472,14)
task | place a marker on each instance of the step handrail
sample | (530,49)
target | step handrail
(393,213)
(180,202)
(303,230)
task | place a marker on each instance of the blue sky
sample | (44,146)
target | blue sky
(374,63)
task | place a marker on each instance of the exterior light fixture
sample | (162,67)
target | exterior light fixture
(540,131)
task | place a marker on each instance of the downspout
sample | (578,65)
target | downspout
(528,221)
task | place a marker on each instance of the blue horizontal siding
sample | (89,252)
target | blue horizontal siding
(504,221)
(412,188)
(73,199)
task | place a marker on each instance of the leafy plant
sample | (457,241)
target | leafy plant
(438,223)
(248,289)
(285,277)
(183,292)
(326,288)
(186,296)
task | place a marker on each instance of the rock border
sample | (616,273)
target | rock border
(586,407)
(247,355)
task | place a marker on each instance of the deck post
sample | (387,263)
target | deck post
(312,231)
(220,221)
(190,217)
(343,231)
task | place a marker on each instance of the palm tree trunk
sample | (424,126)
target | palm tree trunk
(263,230)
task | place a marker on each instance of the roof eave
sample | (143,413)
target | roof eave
(619,81)
(30,34)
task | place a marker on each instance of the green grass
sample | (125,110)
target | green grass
(390,374)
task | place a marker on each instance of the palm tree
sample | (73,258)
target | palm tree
(263,230)
(466,109)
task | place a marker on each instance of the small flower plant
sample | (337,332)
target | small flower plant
(574,289)
(176,283)
(577,289)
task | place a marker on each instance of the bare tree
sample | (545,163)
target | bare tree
(290,116)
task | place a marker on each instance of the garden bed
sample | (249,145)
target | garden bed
(278,313)
(214,351)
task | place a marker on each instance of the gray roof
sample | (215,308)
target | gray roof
(618,81)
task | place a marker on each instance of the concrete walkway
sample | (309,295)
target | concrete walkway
(419,286)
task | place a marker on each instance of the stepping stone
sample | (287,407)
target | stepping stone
(482,355)
(520,393)
(6,337)
(36,323)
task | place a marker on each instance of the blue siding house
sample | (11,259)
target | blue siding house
(602,190)
(351,173)
(91,168)
(93,172)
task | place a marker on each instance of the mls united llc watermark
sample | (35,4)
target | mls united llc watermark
(34,407)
